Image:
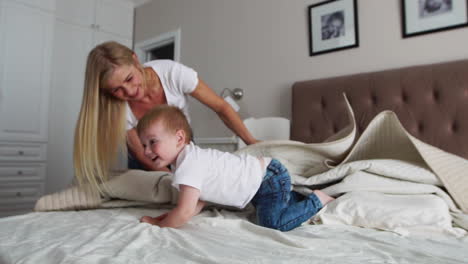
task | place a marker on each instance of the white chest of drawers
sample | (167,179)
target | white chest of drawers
(22,176)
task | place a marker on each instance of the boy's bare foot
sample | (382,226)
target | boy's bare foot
(323,197)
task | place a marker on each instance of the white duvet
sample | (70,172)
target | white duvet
(387,180)
(392,195)
(115,236)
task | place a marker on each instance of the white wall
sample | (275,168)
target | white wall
(262,47)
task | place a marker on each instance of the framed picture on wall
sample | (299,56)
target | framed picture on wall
(428,16)
(333,25)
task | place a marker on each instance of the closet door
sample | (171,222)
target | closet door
(115,17)
(25,53)
(72,44)
(76,32)
(48,5)
(100,37)
(75,12)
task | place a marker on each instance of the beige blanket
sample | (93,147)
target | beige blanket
(384,138)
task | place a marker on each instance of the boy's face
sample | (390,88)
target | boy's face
(162,146)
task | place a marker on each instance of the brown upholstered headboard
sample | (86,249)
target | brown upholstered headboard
(431,102)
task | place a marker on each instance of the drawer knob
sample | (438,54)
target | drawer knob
(21,152)
(18,194)
(20,172)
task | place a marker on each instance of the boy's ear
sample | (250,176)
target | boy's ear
(181,136)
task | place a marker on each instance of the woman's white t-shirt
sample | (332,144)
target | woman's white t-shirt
(177,81)
(222,177)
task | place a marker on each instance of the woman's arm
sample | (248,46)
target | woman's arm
(207,96)
(136,148)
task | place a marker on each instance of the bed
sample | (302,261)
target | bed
(425,221)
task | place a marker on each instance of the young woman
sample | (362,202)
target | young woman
(118,91)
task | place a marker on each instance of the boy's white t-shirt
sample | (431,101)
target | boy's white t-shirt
(222,177)
(177,81)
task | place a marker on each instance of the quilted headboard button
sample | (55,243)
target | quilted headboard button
(335,129)
(374,99)
(454,127)
(420,128)
(436,95)
(323,103)
(404,97)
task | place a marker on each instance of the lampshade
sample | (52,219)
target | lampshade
(233,103)
(234,94)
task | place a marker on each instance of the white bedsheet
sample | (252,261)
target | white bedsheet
(116,236)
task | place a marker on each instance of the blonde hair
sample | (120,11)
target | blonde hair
(172,119)
(100,131)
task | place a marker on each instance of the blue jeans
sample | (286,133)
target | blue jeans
(277,206)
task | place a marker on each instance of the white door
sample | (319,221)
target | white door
(25,52)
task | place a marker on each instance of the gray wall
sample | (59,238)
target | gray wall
(262,47)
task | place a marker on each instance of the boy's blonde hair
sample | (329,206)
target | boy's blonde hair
(172,118)
(100,131)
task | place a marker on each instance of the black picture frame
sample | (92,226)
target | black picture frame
(421,17)
(333,26)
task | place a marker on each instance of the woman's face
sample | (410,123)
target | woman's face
(125,83)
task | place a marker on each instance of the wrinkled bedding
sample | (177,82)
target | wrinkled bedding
(215,236)
(386,180)
(419,186)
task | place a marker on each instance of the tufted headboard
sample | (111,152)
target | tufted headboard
(431,102)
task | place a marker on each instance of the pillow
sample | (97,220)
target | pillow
(403,214)
(139,185)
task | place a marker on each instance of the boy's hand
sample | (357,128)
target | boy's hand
(153,220)
(187,206)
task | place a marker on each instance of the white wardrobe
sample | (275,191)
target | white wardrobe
(43,50)
(26,31)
